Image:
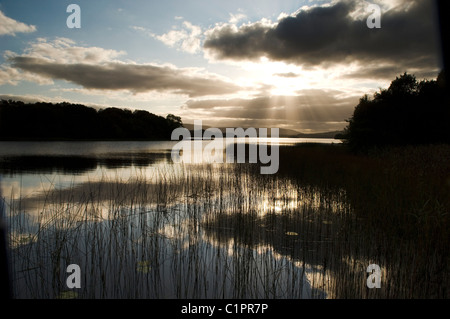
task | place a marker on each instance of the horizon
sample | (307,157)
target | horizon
(294,65)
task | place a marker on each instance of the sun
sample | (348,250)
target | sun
(277,78)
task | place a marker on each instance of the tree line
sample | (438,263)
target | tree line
(409,112)
(67,121)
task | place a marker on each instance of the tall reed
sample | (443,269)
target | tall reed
(225,231)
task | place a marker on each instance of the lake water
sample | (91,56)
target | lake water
(141,226)
(29,167)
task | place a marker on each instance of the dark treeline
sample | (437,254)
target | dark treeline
(409,112)
(66,121)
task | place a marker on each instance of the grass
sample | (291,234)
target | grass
(225,231)
(400,208)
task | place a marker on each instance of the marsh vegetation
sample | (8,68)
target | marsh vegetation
(225,231)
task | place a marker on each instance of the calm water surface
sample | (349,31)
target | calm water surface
(29,166)
(140,226)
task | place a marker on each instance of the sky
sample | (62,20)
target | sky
(293,64)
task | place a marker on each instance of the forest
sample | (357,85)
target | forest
(67,121)
(409,112)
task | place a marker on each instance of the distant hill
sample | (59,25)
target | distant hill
(283,132)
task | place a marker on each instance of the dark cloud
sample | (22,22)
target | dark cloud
(329,34)
(132,77)
(390,71)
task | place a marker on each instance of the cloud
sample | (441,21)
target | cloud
(32,98)
(287,75)
(132,77)
(383,71)
(235,18)
(332,34)
(27,98)
(60,50)
(310,110)
(10,26)
(187,38)
(64,50)
(12,76)
(96,68)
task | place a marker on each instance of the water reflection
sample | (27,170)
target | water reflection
(42,164)
(142,227)
(193,237)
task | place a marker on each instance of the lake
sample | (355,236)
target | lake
(30,166)
(140,226)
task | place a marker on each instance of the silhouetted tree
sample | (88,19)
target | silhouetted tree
(174,121)
(408,112)
(47,121)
